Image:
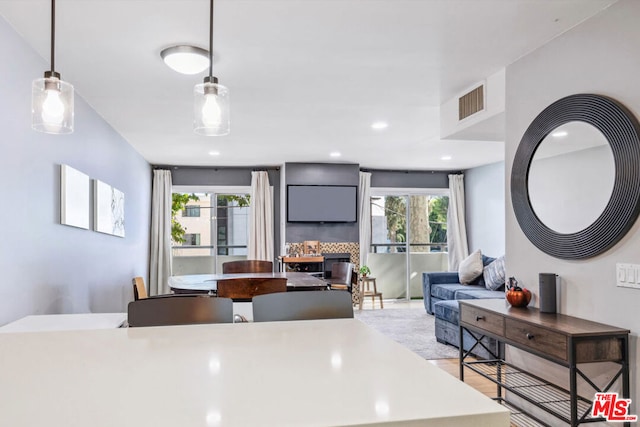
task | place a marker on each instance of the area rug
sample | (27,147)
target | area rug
(411,327)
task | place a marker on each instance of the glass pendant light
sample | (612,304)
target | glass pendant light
(211,99)
(52,98)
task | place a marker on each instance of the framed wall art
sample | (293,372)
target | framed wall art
(75,193)
(108,209)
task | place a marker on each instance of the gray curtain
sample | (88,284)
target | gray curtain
(364,216)
(260,244)
(160,262)
(456,225)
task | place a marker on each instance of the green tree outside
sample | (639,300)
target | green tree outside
(178,202)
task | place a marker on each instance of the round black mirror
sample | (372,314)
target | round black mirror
(622,133)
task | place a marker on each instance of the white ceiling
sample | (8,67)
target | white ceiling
(306,77)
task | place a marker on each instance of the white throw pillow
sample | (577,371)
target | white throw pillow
(470,268)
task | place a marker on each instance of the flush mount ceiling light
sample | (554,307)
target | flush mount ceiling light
(380,125)
(52,98)
(335,154)
(186,59)
(211,99)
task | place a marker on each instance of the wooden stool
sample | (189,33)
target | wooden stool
(364,283)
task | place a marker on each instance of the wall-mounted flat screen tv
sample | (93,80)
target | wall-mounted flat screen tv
(322,203)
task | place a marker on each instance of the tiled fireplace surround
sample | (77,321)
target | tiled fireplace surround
(352,248)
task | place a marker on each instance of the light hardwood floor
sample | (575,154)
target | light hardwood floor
(475,380)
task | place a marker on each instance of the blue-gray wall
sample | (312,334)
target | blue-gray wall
(47,267)
(485,208)
(410,179)
(322,174)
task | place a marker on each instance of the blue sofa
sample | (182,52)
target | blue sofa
(442,291)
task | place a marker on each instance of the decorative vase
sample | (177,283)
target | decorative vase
(518,297)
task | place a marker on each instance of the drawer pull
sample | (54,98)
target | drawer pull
(478,318)
(529,336)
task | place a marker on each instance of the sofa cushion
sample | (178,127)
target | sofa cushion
(479,294)
(447,310)
(494,274)
(446,291)
(470,268)
(486,260)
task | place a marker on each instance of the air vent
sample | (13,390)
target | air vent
(471,103)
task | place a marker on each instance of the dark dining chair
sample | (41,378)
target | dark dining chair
(247,266)
(245,288)
(180,310)
(302,306)
(139,289)
(342,276)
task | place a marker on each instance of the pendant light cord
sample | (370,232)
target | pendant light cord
(211,40)
(53,34)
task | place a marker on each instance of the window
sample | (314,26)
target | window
(408,237)
(191,211)
(211,225)
(427,218)
(191,239)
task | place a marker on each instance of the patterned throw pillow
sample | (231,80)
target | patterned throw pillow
(470,268)
(494,274)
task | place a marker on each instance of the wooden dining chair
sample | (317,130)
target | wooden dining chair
(139,289)
(180,310)
(245,288)
(306,305)
(247,266)
(341,276)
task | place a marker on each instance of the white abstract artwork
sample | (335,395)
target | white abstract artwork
(108,209)
(75,193)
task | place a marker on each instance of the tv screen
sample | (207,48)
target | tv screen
(322,203)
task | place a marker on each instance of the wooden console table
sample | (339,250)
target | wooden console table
(565,340)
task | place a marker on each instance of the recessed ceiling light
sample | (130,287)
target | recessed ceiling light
(186,59)
(214,153)
(335,154)
(445,158)
(560,134)
(380,125)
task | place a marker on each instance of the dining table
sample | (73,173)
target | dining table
(296,281)
(333,372)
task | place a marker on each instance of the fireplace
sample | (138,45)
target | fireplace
(330,258)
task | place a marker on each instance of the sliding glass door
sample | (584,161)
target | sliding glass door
(208,227)
(409,237)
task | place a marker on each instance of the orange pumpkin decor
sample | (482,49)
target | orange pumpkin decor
(517,296)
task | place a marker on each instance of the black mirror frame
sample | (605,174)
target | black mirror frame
(622,131)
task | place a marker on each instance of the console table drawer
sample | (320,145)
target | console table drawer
(483,319)
(539,339)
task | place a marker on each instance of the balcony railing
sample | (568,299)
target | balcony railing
(402,247)
(209,250)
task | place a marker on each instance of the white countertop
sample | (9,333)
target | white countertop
(64,322)
(305,373)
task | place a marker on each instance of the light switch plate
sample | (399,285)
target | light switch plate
(628,275)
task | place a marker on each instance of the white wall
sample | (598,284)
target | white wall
(481,125)
(47,267)
(484,204)
(599,56)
